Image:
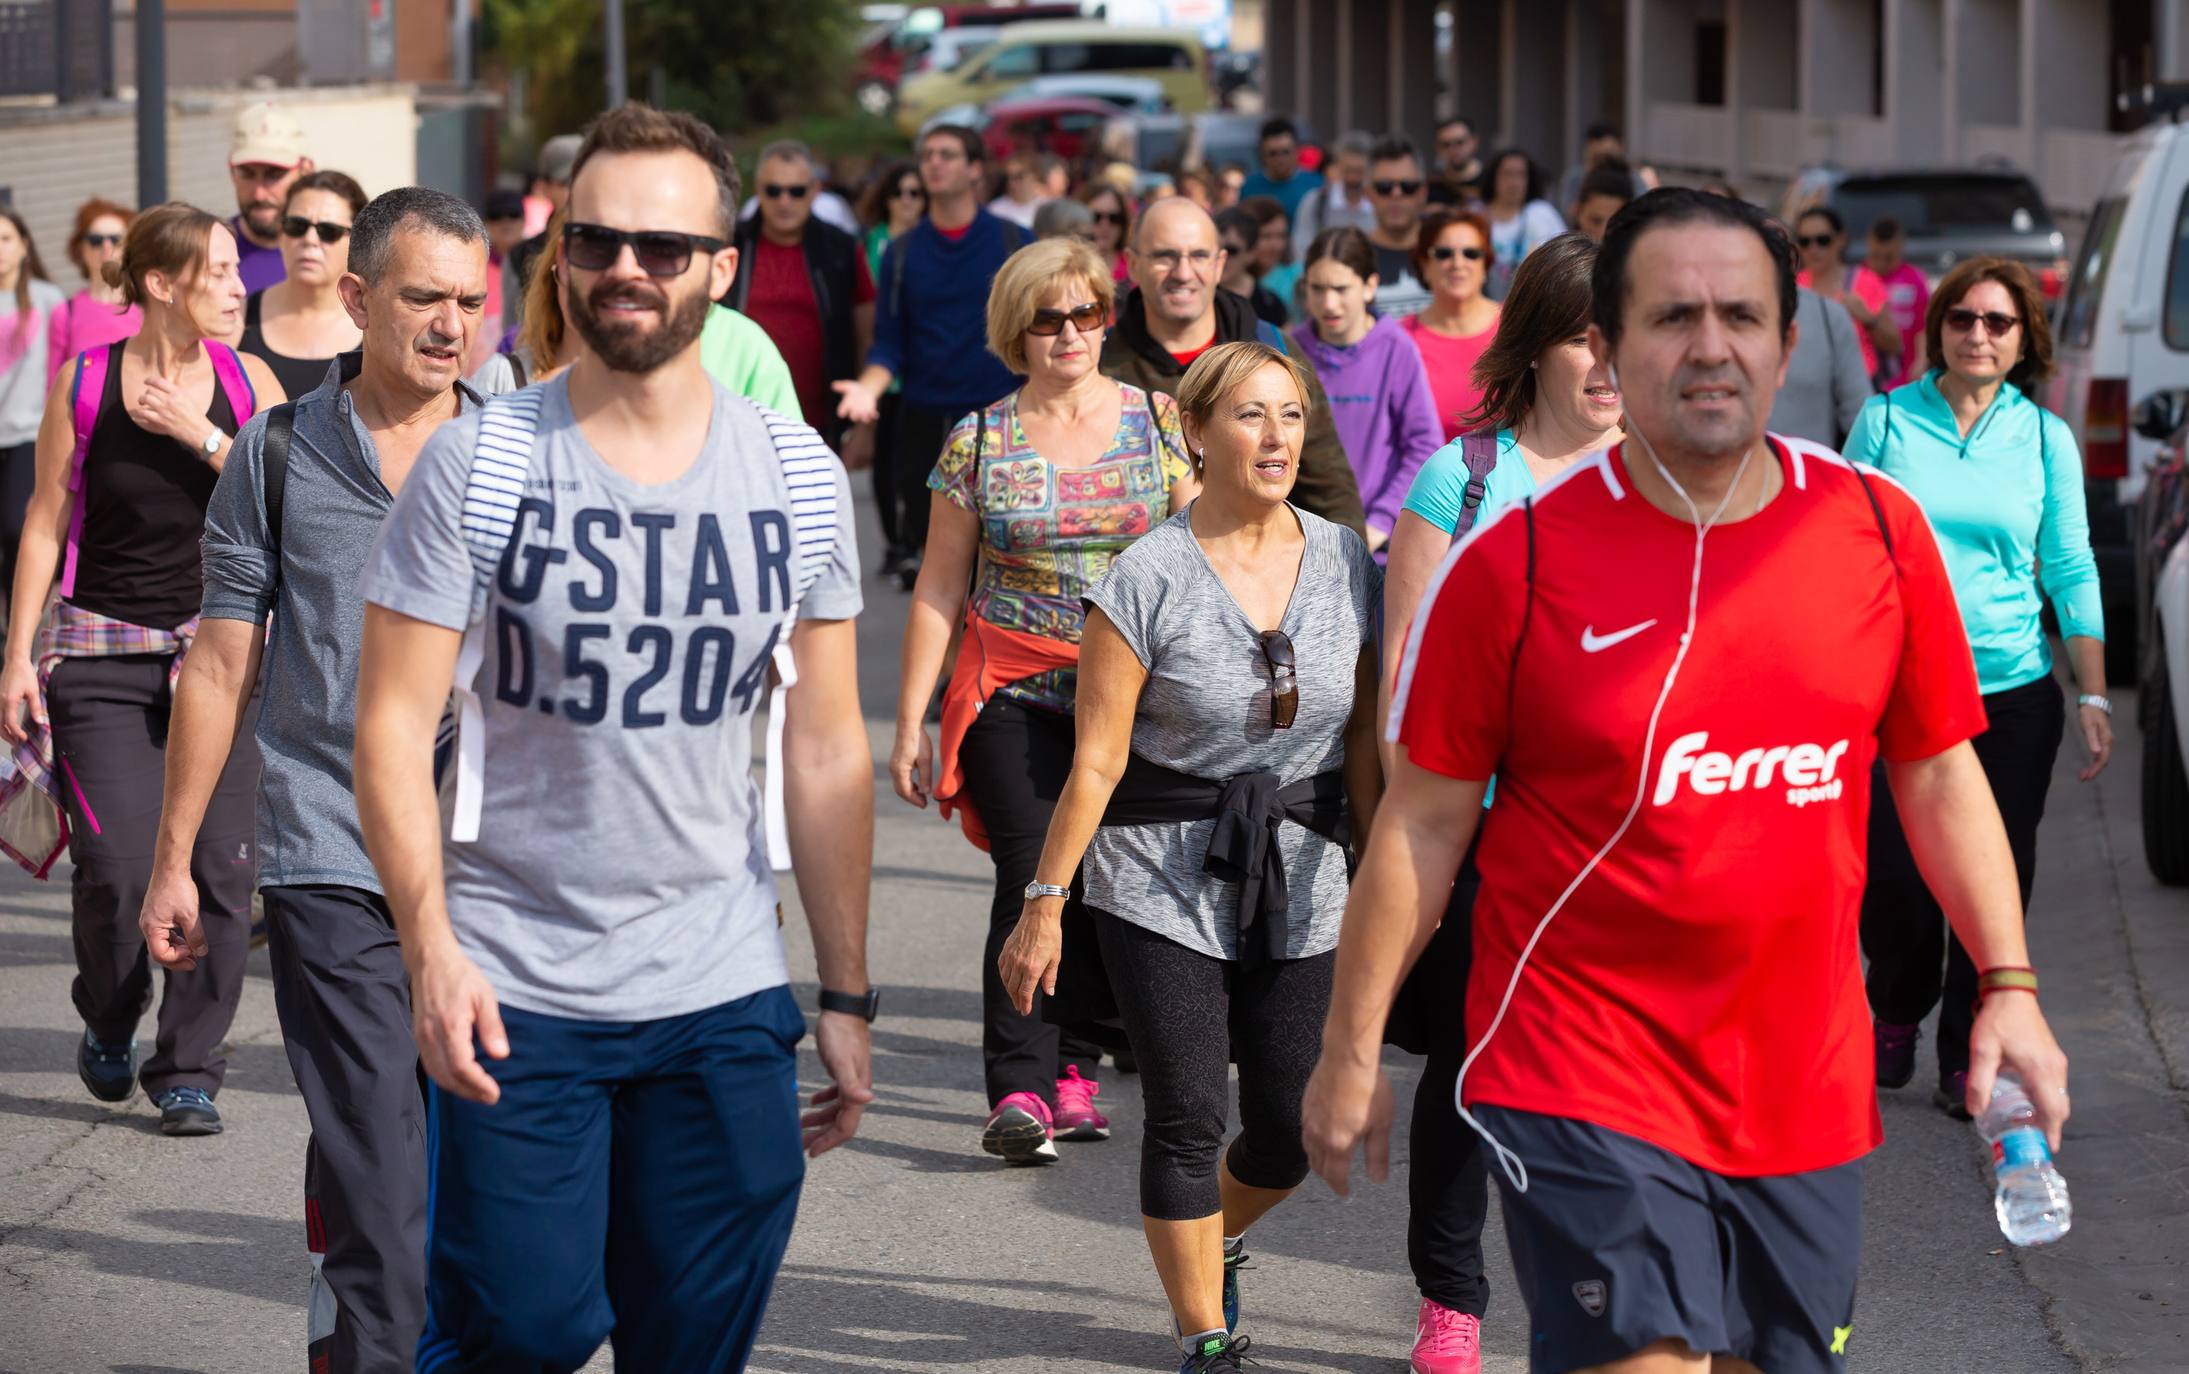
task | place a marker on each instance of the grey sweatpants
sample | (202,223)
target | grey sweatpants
(344,1003)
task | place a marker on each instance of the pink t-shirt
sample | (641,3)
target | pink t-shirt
(85,323)
(1451,364)
(1907,300)
(1863,284)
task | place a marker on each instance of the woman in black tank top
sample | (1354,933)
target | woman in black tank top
(86,685)
(298,325)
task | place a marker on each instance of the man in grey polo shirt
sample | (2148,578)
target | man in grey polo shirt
(416,287)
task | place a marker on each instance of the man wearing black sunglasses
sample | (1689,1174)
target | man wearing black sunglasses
(1399,190)
(804,281)
(623,1150)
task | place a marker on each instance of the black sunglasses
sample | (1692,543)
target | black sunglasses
(660,252)
(101,240)
(1108,217)
(1085,318)
(778,192)
(1284,679)
(1396,188)
(1817,240)
(1962,320)
(911,192)
(296,227)
(1445,252)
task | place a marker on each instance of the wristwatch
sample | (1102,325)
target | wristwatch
(2093,699)
(210,444)
(865,1005)
(1040,889)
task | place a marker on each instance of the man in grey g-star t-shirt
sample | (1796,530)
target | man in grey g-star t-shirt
(625,1155)
(416,284)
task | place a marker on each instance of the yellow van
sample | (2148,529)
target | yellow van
(1022,52)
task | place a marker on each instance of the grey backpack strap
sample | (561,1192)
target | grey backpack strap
(1479,451)
(500,463)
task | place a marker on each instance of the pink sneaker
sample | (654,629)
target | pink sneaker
(1076,1115)
(1446,1342)
(1018,1130)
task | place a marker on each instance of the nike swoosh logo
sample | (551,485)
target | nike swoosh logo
(1594,643)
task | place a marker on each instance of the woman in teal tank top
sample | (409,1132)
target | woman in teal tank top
(1548,403)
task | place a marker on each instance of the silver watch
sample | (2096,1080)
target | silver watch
(1040,889)
(2093,699)
(211,443)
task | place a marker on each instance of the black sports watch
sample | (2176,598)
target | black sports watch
(865,1005)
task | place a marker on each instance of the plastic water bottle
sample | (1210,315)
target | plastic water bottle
(2032,1197)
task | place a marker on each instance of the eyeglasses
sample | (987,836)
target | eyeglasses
(1168,259)
(1962,320)
(660,252)
(1817,240)
(1085,317)
(1109,217)
(1396,188)
(1445,252)
(296,227)
(1284,679)
(778,192)
(913,192)
(101,240)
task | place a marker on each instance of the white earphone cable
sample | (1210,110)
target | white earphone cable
(1511,1163)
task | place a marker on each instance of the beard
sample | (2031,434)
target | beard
(264,220)
(623,343)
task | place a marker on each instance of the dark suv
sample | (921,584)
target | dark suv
(1950,216)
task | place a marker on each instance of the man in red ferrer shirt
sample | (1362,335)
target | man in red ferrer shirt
(1680,659)
(803,281)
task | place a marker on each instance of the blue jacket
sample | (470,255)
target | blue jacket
(2006,503)
(931,314)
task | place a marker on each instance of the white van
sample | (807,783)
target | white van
(2122,333)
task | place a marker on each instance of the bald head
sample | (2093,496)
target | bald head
(1176,261)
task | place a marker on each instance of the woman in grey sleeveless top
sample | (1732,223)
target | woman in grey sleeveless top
(1226,759)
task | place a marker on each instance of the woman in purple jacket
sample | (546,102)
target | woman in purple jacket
(1379,391)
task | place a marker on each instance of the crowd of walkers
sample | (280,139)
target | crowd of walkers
(1363,610)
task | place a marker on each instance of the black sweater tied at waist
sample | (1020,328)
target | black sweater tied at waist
(1243,848)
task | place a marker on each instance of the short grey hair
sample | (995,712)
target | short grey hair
(372,236)
(789,150)
(1063,216)
(1359,142)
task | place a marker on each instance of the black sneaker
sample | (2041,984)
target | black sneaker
(1218,1355)
(110,1071)
(908,572)
(187,1111)
(1952,1096)
(1895,1053)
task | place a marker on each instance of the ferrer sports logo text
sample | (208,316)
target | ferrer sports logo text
(1807,771)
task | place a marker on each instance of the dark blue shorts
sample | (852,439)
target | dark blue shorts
(1618,1244)
(636,1182)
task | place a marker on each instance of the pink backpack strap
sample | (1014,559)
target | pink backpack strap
(85,394)
(228,369)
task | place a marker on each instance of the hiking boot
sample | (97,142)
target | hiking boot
(1446,1342)
(1018,1131)
(1217,1355)
(110,1071)
(1952,1096)
(1077,1118)
(1895,1053)
(187,1111)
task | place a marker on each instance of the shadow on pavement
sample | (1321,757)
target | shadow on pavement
(209,1259)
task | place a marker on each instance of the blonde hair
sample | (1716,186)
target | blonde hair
(541,334)
(1032,273)
(1226,367)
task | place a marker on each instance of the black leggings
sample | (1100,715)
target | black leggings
(18,474)
(1015,759)
(1904,933)
(1188,1015)
(1447,1174)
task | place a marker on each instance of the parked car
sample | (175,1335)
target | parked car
(2162,610)
(1131,94)
(1951,216)
(1022,52)
(1202,142)
(1069,126)
(954,46)
(891,47)
(2120,334)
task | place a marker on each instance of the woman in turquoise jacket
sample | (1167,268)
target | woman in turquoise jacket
(2002,482)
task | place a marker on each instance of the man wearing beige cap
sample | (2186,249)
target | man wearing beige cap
(265,157)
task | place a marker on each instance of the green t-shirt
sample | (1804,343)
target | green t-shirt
(739,354)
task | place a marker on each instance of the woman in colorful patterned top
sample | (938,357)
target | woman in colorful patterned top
(1043,490)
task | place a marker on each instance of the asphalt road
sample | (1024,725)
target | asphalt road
(123,1251)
